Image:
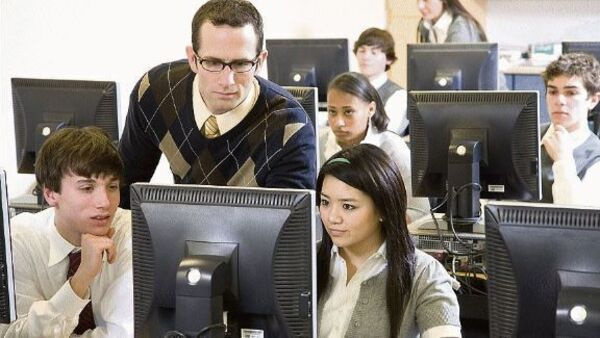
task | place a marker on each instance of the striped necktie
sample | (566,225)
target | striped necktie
(86,316)
(210,128)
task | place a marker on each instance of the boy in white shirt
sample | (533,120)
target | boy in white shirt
(374,51)
(570,151)
(73,268)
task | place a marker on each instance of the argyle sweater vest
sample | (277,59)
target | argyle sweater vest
(273,146)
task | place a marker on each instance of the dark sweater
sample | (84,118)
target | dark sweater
(273,146)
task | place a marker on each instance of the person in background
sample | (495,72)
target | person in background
(374,51)
(447,21)
(570,151)
(73,264)
(357,115)
(371,280)
(216,122)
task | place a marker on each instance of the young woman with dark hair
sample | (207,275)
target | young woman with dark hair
(357,115)
(447,21)
(371,281)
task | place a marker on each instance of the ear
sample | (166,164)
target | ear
(191,57)
(262,58)
(52,197)
(593,100)
(371,108)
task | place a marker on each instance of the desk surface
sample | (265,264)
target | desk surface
(25,203)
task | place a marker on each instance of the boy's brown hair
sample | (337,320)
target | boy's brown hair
(86,152)
(375,37)
(582,65)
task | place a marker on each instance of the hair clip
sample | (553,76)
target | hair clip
(339,160)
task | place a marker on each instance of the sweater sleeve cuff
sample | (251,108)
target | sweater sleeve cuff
(442,331)
(68,301)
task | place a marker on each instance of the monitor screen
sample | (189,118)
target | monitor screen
(307,62)
(452,66)
(42,106)
(473,144)
(589,47)
(200,251)
(8,311)
(543,271)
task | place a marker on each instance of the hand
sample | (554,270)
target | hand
(559,144)
(92,251)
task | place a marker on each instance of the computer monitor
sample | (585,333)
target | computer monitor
(452,66)
(543,271)
(42,106)
(201,250)
(307,62)
(308,99)
(472,144)
(8,310)
(589,47)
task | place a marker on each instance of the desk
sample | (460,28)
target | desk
(25,203)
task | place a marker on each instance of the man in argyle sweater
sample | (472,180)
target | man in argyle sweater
(264,138)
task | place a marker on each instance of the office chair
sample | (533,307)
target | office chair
(594,120)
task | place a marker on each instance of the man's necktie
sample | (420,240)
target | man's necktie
(86,316)
(210,129)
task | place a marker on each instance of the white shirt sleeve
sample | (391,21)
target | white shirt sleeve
(116,309)
(395,108)
(568,189)
(44,313)
(37,316)
(442,331)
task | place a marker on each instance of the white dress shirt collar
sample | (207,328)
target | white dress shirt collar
(227,120)
(439,31)
(379,80)
(380,253)
(59,248)
(332,147)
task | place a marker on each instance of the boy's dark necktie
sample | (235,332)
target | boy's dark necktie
(86,316)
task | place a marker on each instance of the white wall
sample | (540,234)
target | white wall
(521,22)
(119,40)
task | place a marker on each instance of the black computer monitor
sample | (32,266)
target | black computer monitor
(307,62)
(8,311)
(589,47)
(543,271)
(201,250)
(42,106)
(472,144)
(452,66)
(308,99)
